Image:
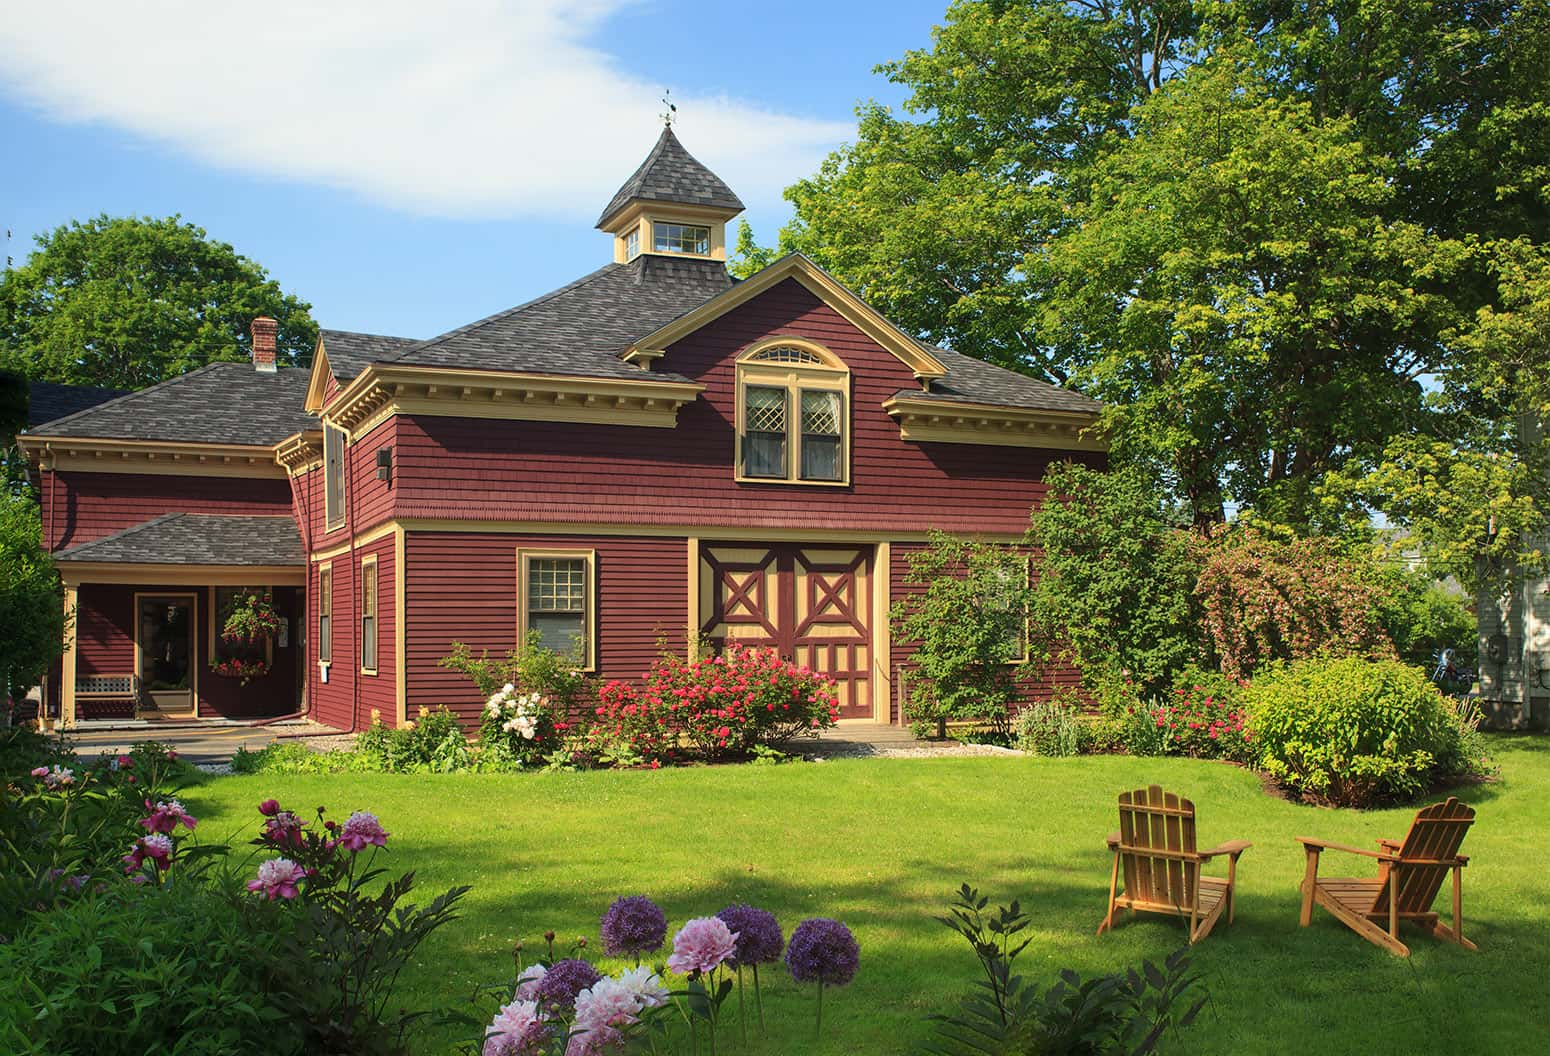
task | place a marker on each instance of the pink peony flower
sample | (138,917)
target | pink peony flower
(516,1030)
(39,771)
(269,808)
(702,945)
(361,829)
(156,847)
(283,830)
(125,762)
(278,877)
(164,816)
(527,982)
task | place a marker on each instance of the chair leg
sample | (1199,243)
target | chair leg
(1310,878)
(1108,917)
(1232,886)
(1456,932)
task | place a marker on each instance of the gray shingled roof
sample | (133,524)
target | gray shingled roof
(48,400)
(580,329)
(222,403)
(671,174)
(197,539)
(349,353)
(971,380)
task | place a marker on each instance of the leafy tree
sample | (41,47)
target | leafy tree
(747,255)
(966,616)
(13,419)
(126,302)
(32,622)
(1116,576)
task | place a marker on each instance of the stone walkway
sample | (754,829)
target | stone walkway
(872,740)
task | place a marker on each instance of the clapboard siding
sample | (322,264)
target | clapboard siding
(372,499)
(573,473)
(463,587)
(80,507)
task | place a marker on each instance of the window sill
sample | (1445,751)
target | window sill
(792,483)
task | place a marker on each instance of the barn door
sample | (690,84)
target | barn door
(811,603)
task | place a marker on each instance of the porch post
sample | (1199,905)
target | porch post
(67,666)
(882,635)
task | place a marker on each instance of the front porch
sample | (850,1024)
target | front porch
(145,635)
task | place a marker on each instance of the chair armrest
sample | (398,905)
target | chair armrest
(1232,847)
(1392,846)
(1113,841)
(1310,844)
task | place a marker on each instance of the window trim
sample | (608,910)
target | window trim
(525,555)
(710,242)
(1027,633)
(335,519)
(369,569)
(831,375)
(325,611)
(631,244)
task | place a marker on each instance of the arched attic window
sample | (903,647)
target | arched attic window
(793,414)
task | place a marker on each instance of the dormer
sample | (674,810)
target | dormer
(672,206)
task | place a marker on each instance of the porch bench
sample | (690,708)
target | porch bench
(107,696)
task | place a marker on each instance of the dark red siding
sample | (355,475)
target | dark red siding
(463,587)
(577,474)
(80,507)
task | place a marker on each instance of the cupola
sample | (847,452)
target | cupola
(671,206)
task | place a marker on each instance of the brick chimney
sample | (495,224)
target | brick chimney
(265,330)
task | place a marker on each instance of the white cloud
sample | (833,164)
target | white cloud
(448,107)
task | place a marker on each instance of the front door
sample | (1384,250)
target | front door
(164,648)
(811,603)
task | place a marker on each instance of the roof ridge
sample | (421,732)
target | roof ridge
(124,533)
(367,333)
(576,284)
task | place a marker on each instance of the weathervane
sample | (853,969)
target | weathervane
(671,111)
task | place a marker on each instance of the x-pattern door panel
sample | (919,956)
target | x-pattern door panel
(811,603)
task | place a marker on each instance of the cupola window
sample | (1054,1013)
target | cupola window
(632,244)
(680,238)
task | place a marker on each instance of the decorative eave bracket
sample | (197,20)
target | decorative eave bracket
(941,421)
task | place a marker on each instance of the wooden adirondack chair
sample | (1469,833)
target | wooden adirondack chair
(1155,848)
(1410,873)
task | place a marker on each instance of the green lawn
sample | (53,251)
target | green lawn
(882,844)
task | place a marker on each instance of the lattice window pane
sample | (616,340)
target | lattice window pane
(821,414)
(766,411)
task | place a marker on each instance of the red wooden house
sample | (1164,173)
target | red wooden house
(654,451)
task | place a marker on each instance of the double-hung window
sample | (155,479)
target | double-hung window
(326,614)
(369,615)
(333,477)
(557,602)
(793,414)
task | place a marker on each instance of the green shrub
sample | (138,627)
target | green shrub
(143,969)
(290,757)
(433,743)
(1423,617)
(1353,732)
(24,747)
(1053,728)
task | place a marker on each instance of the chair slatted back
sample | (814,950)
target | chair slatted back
(1157,836)
(1434,836)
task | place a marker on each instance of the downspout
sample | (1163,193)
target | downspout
(300,497)
(355,585)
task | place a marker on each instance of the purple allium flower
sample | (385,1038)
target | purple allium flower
(565,979)
(759,940)
(702,945)
(517,1030)
(633,925)
(278,877)
(823,951)
(361,829)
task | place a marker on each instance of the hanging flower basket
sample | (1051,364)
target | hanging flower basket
(246,670)
(252,620)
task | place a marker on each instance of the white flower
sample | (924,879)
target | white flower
(645,985)
(508,689)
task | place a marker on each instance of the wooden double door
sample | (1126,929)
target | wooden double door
(813,603)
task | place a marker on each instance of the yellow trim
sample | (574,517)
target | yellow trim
(882,633)
(193,639)
(639,215)
(89,455)
(300,452)
(67,663)
(1022,660)
(75,573)
(326,569)
(383,390)
(743,533)
(939,421)
(526,554)
(795,378)
(400,626)
(823,286)
(692,608)
(369,560)
(386,528)
(317,381)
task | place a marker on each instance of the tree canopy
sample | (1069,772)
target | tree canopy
(1281,239)
(126,302)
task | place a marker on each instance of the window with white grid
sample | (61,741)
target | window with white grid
(557,593)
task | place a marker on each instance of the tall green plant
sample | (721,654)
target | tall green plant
(966,617)
(32,617)
(1116,576)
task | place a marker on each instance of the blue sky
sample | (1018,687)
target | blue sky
(408,172)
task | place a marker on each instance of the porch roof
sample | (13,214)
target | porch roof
(201,539)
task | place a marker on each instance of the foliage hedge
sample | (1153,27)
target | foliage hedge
(1353,732)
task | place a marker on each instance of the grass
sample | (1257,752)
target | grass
(882,845)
